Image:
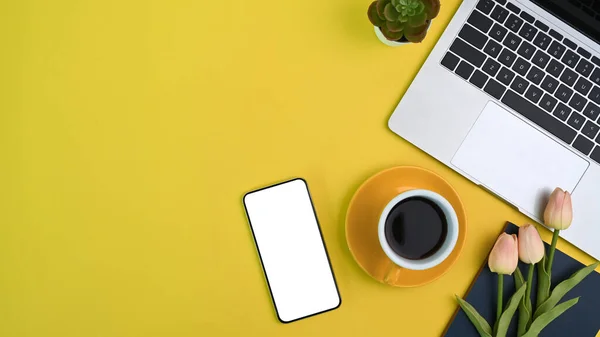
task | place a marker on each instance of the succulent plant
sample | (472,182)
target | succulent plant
(401,20)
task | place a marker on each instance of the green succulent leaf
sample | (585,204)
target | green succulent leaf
(416,34)
(563,288)
(432,7)
(417,20)
(392,36)
(546,318)
(380,8)
(373,16)
(482,326)
(543,291)
(390,13)
(509,312)
(524,305)
(394,26)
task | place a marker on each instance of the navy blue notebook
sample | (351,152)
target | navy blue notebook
(581,320)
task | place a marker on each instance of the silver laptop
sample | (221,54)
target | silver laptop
(510,98)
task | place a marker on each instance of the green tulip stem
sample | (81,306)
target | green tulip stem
(500,290)
(529,281)
(552,249)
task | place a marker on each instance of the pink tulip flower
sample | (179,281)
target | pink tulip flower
(505,255)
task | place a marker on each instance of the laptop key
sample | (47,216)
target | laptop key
(534,93)
(590,129)
(519,85)
(502,2)
(549,84)
(526,50)
(492,48)
(596,76)
(527,17)
(499,14)
(569,77)
(596,60)
(563,93)
(555,34)
(542,40)
(548,102)
(514,23)
(555,68)
(578,102)
(528,32)
(570,44)
(521,66)
(505,76)
(485,6)
(596,154)
(595,95)
(591,111)
(507,57)
(473,36)
(541,59)
(494,88)
(512,41)
(498,32)
(513,8)
(556,49)
(562,112)
(480,21)
(535,75)
(584,53)
(464,70)
(570,58)
(542,26)
(539,117)
(576,121)
(491,67)
(478,79)
(450,61)
(467,52)
(583,145)
(583,86)
(584,67)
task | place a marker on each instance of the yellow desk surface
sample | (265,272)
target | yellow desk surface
(129,131)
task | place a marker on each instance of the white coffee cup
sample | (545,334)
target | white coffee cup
(445,249)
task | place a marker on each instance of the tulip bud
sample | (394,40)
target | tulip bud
(559,211)
(531,247)
(505,255)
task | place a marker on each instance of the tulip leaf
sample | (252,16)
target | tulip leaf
(546,318)
(524,305)
(509,312)
(482,326)
(543,291)
(563,288)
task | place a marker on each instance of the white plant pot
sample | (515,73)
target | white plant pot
(385,40)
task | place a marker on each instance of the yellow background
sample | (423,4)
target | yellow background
(129,131)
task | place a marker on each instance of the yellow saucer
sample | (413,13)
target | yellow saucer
(363,216)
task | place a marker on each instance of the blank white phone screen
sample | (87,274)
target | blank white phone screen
(291,250)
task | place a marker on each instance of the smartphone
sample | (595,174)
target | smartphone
(292,251)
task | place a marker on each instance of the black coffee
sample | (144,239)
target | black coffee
(416,228)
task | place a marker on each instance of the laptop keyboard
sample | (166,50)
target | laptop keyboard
(533,69)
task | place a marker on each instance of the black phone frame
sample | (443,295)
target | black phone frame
(322,240)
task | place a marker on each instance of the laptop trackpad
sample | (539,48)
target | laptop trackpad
(516,161)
